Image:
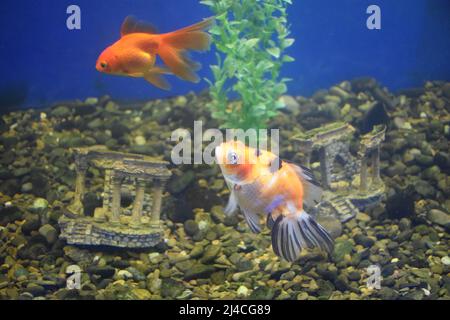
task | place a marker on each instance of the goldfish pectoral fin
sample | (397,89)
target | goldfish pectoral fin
(135,75)
(158,80)
(232,205)
(160,69)
(312,188)
(178,63)
(252,221)
(132,25)
(295,232)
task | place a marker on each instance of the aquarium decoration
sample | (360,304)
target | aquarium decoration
(251,37)
(136,226)
(350,190)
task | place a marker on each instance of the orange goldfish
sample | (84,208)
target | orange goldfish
(134,55)
(263,185)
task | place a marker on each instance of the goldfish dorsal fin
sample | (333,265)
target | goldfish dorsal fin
(132,25)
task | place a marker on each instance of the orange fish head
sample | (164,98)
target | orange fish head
(236,160)
(106,62)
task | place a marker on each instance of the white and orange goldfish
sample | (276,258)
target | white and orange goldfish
(134,54)
(264,186)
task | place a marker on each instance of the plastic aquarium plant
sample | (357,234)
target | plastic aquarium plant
(250,37)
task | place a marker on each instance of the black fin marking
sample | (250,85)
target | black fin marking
(324,234)
(252,220)
(276,165)
(132,25)
(291,234)
(308,242)
(309,233)
(283,241)
(275,230)
(269,221)
(291,243)
(309,175)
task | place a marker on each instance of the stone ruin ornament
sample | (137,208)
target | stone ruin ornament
(345,178)
(136,226)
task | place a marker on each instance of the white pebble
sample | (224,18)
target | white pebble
(242,291)
(446,260)
(426,291)
(140,140)
(202,225)
(124,274)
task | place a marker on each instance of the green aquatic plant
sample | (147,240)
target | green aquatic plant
(251,37)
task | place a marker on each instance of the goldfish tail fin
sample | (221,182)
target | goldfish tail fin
(156,77)
(174,46)
(295,232)
(269,221)
(252,220)
(193,37)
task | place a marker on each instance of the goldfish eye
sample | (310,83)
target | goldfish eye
(103,64)
(232,158)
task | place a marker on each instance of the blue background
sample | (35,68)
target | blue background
(39,55)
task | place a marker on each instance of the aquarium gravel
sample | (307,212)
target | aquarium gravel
(205,254)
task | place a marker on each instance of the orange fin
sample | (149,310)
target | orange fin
(175,44)
(193,37)
(202,25)
(179,64)
(132,25)
(156,77)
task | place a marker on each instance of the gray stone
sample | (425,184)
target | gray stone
(341,248)
(364,240)
(439,217)
(32,223)
(199,271)
(404,224)
(210,254)
(27,187)
(180,183)
(332,225)
(424,188)
(171,288)
(49,233)
(104,272)
(61,111)
(290,104)
(191,227)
